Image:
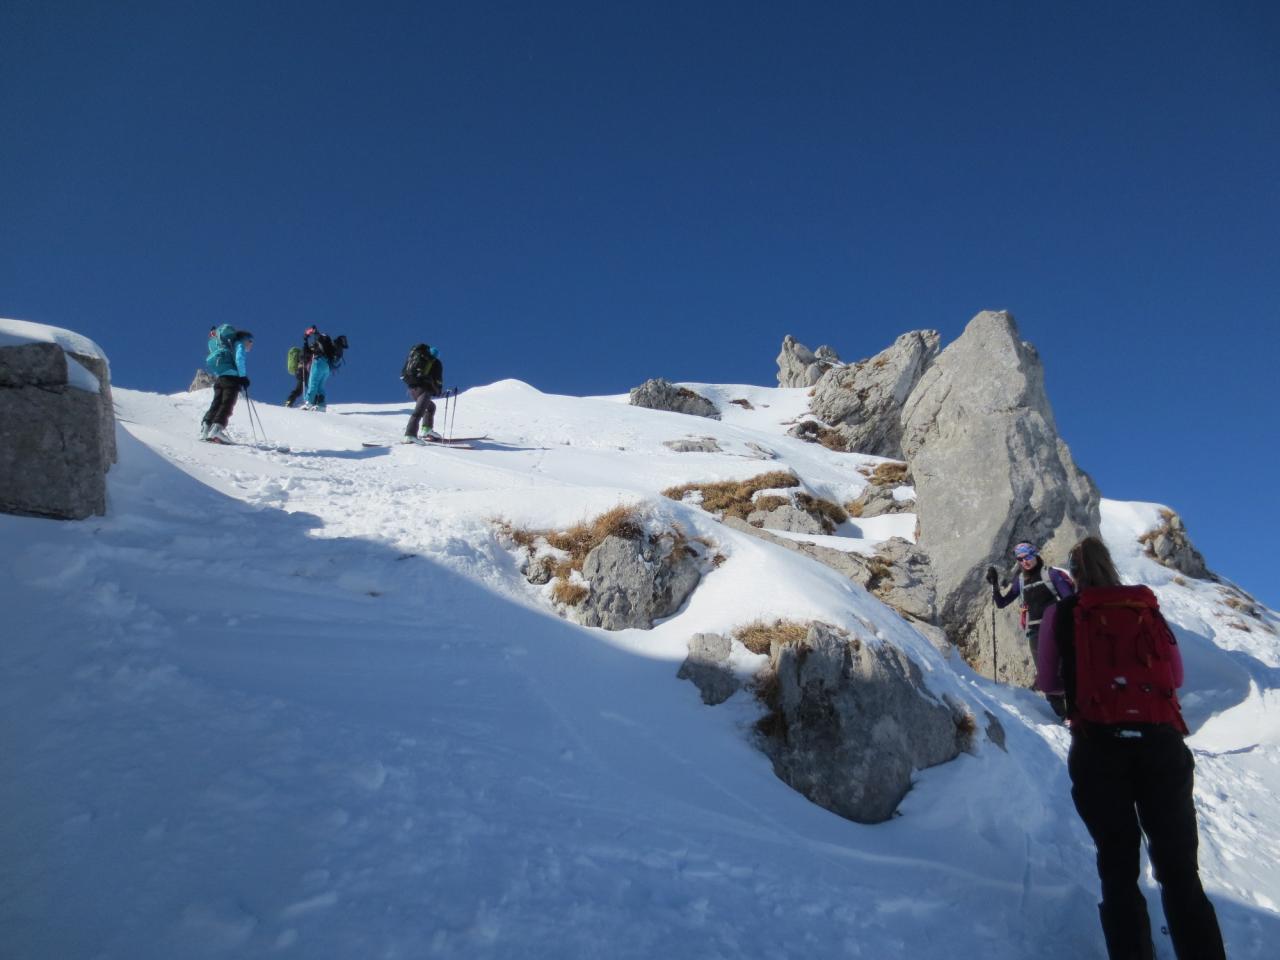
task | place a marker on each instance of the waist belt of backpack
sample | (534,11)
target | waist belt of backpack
(1125,731)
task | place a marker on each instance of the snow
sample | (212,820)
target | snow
(301,702)
(15,333)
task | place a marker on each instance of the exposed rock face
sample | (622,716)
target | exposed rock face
(787,517)
(203,380)
(635,582)
(878,499)
(1169,544)
(851,721)
(659,394)
(57,431)
(898,574)
(708,667)
(798,366)
(990,469)
(864,400)
(693,445)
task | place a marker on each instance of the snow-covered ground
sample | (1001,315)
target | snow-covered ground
(299,701)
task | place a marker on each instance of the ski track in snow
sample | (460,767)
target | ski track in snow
(301,702)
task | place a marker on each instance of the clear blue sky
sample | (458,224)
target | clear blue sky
(584,195)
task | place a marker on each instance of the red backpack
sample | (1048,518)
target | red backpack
(1124,654)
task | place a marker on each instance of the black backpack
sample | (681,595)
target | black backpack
(419,368)
(331,349)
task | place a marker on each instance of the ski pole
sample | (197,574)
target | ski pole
(255,415)
(444,422)
(995,656)
(455,411)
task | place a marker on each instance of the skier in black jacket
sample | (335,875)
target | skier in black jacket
(423,374)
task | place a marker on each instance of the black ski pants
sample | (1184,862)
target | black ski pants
(301,385)
(225,391)
(422,407)
(1123,787)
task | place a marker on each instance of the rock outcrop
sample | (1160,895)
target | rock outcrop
(990,469)
(693,445)
(1170,545)
(864,400)
(57,424)
(707,666)
(201,381)
(798,366)
(659,394)
(850,720)
(897,574)
(635,581)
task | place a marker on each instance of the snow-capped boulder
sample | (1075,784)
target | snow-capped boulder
(787,517)
(634,582)
(57,424)
(851,720)
(798,366)
(898,574)
(707,666)
(864,400)
(990,469)
(693,445)
(659,394)
(1170,545)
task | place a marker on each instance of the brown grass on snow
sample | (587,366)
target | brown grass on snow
(734,497)
(759,635)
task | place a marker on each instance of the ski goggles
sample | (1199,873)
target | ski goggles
(1025,551)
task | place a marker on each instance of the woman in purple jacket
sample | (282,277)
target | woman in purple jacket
(1040,587)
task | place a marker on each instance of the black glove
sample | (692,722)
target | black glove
(993,577)
(244,382)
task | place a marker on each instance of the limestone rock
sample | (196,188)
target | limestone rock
(990,469)
(57,426)
(1170,545)
(798,366)
(693,445)
(707,666)
(202,381)
(635,582)
(851,720)
(787,517)
(659,394)
(899,574)
(864,400)
(877,500)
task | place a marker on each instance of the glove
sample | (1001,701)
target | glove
(244,382)
(993,577)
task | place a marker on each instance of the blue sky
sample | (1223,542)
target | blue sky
(584,195)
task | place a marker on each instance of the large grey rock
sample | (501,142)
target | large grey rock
(57,431)
(864,400)
(693,445)
(635,582)
(898,574)
(659,394)
(707,666)
(1169,544)
(787,517)
(877,500)
(852,720)
(798,366)
(990,469)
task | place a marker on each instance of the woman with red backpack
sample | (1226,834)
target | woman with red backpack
(1113,656)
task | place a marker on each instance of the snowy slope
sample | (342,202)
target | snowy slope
(300,702)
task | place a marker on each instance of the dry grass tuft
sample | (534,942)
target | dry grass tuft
(744,404)
(890,473)
(582,538)
(569,592)
(815,432)
(760,635)
(734,498)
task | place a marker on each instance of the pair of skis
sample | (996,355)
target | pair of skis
(456,443)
